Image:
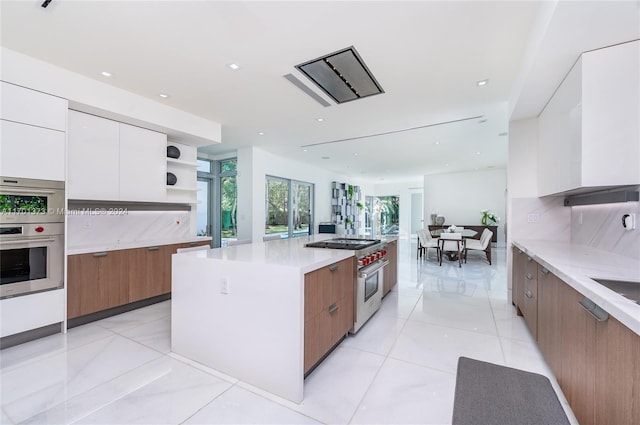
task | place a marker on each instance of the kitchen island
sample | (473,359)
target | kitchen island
(241,309)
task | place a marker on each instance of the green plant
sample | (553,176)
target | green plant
(488,216)
(360,206)
(350,191)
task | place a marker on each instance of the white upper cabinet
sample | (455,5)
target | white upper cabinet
(31,152)
(589,132)
(32,107)
(94,155)
(143,165)
(112,161)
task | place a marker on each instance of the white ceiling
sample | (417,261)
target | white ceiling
(427,56)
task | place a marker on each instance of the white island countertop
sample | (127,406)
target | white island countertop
(578,264)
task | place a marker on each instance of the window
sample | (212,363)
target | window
(382,215)
(217,200)
(288,206)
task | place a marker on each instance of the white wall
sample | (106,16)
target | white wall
(460,197)
(95,97)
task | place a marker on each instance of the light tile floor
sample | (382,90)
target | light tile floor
(400,367)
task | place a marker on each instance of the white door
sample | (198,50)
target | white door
(417,211)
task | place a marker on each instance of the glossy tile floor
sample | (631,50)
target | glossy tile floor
(400,368)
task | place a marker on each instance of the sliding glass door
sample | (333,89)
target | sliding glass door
(217,197)
(288,206)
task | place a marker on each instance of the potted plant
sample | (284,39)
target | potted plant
(350,191)
(489,218)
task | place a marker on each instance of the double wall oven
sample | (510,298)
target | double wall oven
(371,255)
(31,236)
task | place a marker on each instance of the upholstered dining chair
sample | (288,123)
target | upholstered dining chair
(484,244)
(450,242)
(426,241)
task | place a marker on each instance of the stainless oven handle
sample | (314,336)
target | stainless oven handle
(364,275)
(27,191)
(23,241)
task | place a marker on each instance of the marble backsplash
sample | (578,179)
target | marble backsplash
(600,226)
(92,228)
(540,219)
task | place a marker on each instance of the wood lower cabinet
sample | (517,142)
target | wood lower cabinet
(517,279)
(530,297)
(96,281)
(577,351)
(390,271)
(102,280)
(596,360)
(328,308)
(617,374)
(549,330)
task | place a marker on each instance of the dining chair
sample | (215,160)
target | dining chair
(427,242)
(483,244)
(450,242)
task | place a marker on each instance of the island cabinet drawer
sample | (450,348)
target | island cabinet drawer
(328,308)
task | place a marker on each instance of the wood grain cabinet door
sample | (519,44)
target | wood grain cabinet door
(530,299)
(96,281)
(578,346)
(147,272)
(517,278)
(617,374)
(391,271)
(549,336)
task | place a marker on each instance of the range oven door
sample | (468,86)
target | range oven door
(30,264)
(368,292)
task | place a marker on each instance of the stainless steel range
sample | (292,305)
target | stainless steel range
(371,255)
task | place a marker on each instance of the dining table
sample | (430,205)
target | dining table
(465,233)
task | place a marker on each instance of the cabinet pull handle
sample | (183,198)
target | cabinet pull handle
(528,294)
(333,267)
(594,310)
(333,308)
(543,270)
(100,254)
(529,276)
(153,248)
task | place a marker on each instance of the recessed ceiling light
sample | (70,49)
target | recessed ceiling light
(260,133)
(436,143)
(234,66)
(355,154)
(164,95)
(106,74)
(482,83)
(478,153)
(319,119)
(304,150)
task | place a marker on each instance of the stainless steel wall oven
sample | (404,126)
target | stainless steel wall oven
(31,236)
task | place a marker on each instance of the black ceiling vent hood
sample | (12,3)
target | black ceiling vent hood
(342,75)
(602,198)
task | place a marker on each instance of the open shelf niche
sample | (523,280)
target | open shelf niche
(185,168)
(344,204)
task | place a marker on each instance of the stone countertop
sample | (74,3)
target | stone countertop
(577,264)
(116,246)
(284,252)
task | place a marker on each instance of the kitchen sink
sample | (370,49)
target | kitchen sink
(628,289)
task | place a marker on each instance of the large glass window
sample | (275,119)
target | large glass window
(217,200)
(288,206)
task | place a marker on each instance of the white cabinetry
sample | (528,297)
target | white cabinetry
(94,154)
(589,132)
(32,133)
(20,314)
(142,164)
(113,161)
(32,107)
